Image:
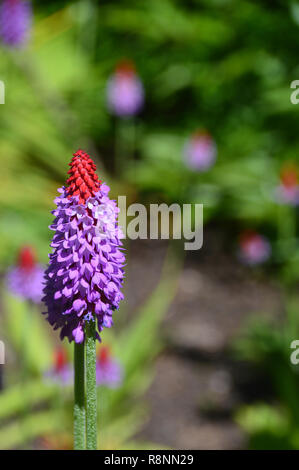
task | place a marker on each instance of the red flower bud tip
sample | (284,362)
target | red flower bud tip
(247,236)
(104,355)
(201,133)
(26,259)
(126,67)
(83,180)
(289,176)
(60,359)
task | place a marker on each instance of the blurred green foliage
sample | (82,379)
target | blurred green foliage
(205,64)
(267,344)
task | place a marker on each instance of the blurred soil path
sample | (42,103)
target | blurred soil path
(198,386)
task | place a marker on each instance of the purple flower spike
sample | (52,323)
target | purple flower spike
(109,372)
(15,22)
(61,372)
(26,279)
(200,151)
(85,272)
(125,94)
(288,190)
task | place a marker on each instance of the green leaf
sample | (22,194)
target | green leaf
(29,334)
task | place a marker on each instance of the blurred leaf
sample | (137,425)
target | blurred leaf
(28,333)
(23,397)
(262,418)
(32,426)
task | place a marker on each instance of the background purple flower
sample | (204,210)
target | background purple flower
(288,190)
(15,22)
(125,93)
(61,372)
(26,279)
(200,151)
(85,272)
(109,371)
(253,248)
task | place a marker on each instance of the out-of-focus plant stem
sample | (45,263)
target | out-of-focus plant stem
(287,229)
(125,143)
(87,18)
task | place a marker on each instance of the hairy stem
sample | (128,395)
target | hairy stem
(91,387)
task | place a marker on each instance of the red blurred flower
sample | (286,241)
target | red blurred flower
(200,151)
(288,190)
(253,248)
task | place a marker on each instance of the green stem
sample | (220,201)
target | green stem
(125,143)
(287,230)
(91,387)
(79,407)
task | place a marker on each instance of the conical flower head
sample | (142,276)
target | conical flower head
(15,22)
(85,272)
